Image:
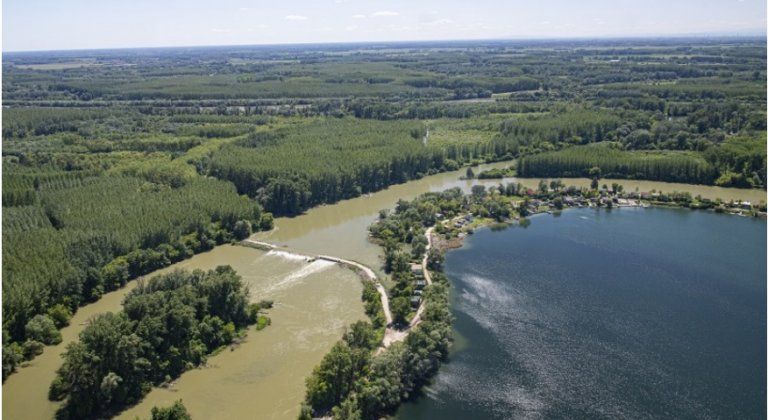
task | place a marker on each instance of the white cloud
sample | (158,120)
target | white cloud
(221,31)
(384,13)
(398,28)
(243,9)
(439,22)
(358,16)
(296,17)
(351,28)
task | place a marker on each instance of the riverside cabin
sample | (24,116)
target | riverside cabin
(417,270)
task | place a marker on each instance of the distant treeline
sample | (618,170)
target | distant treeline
(702,69)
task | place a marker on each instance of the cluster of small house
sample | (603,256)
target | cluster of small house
(419,284)
(744,208)
(535,205)
(644,199)
(463,221)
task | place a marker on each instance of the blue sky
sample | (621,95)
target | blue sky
(75,24)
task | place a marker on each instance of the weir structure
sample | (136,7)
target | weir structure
(391,334)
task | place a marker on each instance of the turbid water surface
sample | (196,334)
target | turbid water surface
(261,378)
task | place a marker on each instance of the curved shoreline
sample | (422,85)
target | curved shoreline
(462,270)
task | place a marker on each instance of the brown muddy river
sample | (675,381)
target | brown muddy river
(264,377)
(341,229)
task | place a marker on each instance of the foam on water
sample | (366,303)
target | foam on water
(306,270)
(287,255)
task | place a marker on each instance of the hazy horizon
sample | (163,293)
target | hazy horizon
(693,36)
(49,25)
(713,36)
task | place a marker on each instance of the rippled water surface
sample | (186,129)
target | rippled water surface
(630,313)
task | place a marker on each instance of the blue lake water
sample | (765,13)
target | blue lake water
(629,313)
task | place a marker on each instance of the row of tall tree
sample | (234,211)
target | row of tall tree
(579,161)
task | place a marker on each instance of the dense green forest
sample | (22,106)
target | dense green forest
(169,324)
(294,168)
(116,163)
(79,238)
(580,161)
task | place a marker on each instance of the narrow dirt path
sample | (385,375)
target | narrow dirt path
(424,261)
(427,277)
(399,335)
